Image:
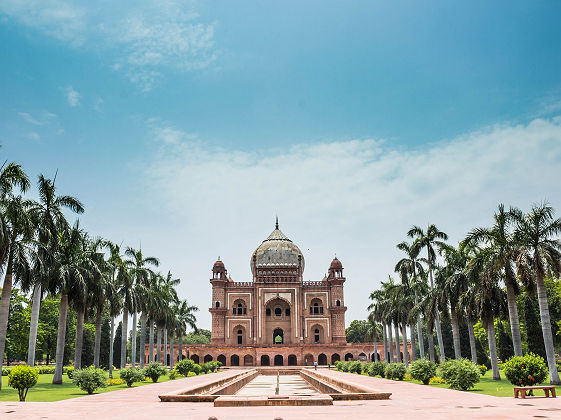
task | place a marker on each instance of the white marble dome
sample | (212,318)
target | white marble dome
(277,251)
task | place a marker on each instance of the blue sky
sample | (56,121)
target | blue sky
(186,126)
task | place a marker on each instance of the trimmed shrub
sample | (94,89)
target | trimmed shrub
(377,369)
(69,372)
(205,368)
(437,380)
(355,367)
(460,373)
(154,370)
(365,366)
(197,369)
(89,379)
(343,366)
(131,375)
(482,369)
(525,370)
(22,378)
(395,371)
(422,370)
(213,366)
(183,367)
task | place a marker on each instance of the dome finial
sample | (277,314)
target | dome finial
(277,222)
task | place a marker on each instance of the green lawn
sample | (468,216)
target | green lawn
(46,391)
(488,386)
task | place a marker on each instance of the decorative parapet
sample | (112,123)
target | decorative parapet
(313,283)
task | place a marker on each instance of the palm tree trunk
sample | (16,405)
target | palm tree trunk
(142,349)
(180,347)
(79,338)
(165,346)
(61,334)
(5,311)
(455,332)
(97,345)
(375,340)
(151,342)
(431,345)
(490,326)
(514,319)
(159,345)
(391,342)
(439,337)
(111,347)
(397,352)
(171,351)
(471,340)
(419,332)
(34,325)
(124,338)
(385,338)
(413,344)
(546,330)
(437,321)
(133,340)
(405,349)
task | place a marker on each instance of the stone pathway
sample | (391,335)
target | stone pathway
(408,401)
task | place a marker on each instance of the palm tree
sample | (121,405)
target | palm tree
(19,230)
(408,267)
(50,221)
(502,250)
(429,240)
(125,284)
(467,304)
(377,315)
(69,278)
(488,298)
(454,284)
(429,306)
(141,274)
(373,333)
(11,176)
(540,253)
(91,260)
(114,298)
(100,292)
(185,317)
(382,310)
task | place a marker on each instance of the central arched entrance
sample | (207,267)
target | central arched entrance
(279,360)
(278,336)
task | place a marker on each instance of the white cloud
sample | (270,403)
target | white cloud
(143,37)
(98,104)
(29,118)
(168,134)
(72,96)
(63,20)
(34,136)
(356,198)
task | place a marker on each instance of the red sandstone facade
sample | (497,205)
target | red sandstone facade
(277,318)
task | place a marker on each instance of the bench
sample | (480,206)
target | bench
(522,390)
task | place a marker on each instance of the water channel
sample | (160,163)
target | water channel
(288,385)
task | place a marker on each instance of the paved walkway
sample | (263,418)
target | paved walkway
(409,401)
